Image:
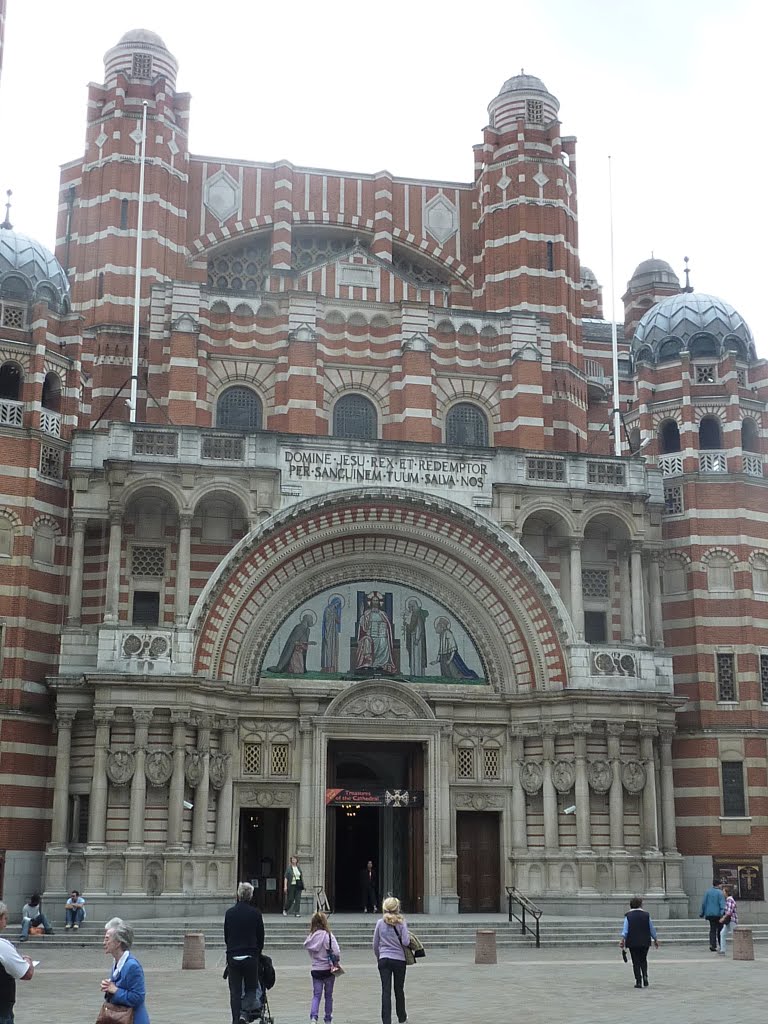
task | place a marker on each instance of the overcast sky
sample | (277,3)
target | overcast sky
(669,90)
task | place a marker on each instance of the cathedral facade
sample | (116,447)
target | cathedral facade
(364,578)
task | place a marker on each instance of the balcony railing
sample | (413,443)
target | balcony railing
(671,465)
(713,462)
(11,413)
(50,422)
(752,465)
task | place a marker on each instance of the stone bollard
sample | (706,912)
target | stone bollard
(485,947)
(743,948)
(193,957)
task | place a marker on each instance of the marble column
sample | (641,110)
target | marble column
(616,798)
(64,719)
(519,816)
(446,760)
(650,813)
(224,803)
(304,840)
(638,600)
(75,599)
(577,598)
(200,810)
(654,599)
(668,828)
(565,576)
(176,788)
(97,815)
(625,595)
(112,599)
(583,821)
(183,569)
(549,795)
(141,718)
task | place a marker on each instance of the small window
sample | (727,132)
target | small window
(354,417)
(123,214)
(44,544)
(148,561)
(674,577)
(760,574)
(534,111)
(726,677)
(719,574)
(734,802)
(79,804)
(669,437)
(741,377)
(750,435)
(465,763)
(146,608)
(669,350)
(251,759)
(706,374)
(595,627)
(6,538)
(239,408)
(764,678)
(550,256)
(11,378)
(279,759)
(51,398)
(100,285)
(491,764)
(595,583)
(142,65)
(466,424)
(709,433)
(674,504)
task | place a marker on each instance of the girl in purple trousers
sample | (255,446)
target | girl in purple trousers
(324,955)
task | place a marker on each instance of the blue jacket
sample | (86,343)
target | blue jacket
(713,904)
(130,990)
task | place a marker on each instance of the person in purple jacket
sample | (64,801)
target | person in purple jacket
(390,937)
(324,956)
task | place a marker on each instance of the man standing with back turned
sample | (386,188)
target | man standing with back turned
(713,908)
(636,936)
(13,967)
(244,936)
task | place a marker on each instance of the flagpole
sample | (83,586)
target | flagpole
(614,329)
(133,401)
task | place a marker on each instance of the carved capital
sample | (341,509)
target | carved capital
(103,717)
(179,717)
(666,734)
(614,728)
(65,717)
(142,716)
(581,727)
(115,514)
(648,729)
(185,520)
(79,523)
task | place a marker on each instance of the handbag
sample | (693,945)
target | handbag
(113,1013)
(333,960)
(414,950)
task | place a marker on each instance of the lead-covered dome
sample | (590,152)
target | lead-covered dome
(522,98)
(30,273)
(652,272)
(692,319)
(140,55)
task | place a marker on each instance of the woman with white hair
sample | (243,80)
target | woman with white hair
(390,938)
(125,985)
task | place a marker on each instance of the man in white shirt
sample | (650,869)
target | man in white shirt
(13,967)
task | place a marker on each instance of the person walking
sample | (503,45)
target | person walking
(244,938)
(74,911)
(293,887)
(125,985)
(32,916)
(729,919)
(636,935)
(324,955)
(713,908)
(370,889)
(390,937)
(13,967)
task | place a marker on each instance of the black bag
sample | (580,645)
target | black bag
(266,972)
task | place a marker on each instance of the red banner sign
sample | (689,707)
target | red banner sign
(376,797)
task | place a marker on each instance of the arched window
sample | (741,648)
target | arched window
(46,294)
(760,574)
(674,576)
(750,436)
(669,350)
(11,378)
(15,288)
(51,392)
(44,544)
(355,417)
(709,433)
(466,424)
(719,573)
(239,408)
(669,437)
(703,346)
(6,537)
(645,355)
(635,439)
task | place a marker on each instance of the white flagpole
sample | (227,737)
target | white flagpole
(133,401)
(614,331)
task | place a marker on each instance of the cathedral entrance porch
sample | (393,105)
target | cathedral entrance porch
(263,854)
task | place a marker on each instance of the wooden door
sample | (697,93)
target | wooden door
(477,846)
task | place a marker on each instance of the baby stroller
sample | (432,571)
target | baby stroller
(267,979)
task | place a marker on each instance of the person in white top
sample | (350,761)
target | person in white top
(13,967)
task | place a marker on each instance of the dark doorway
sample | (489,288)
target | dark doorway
(263,855)
(357,831)
(477,845)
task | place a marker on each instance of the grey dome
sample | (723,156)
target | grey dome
(653,271)
(28,267)
(524,83)
(142,35)
(588,277)
(687,314)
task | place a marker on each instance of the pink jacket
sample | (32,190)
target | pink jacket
(316,944)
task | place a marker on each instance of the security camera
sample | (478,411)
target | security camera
(570,810)
(188,806)
(644,443)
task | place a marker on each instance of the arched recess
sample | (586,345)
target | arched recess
(508,606)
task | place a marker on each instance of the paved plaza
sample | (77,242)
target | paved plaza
(592,986)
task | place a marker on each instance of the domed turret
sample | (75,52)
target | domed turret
(651,281)
(685,317)
(591,294)
(522,98)
(29,272)
(141,55)
(653,272)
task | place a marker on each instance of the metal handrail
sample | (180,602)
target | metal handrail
(527,906)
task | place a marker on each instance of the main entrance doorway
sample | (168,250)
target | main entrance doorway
(477,846)
(390,834)
(263,854)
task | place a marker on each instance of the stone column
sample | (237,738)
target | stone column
(577,600)
(183,569)
(304,833)
(654,599)
(446,761)
(64,719)
(519,815)
(668,829)
(583,821)
(176,789)
(638,602)
(650,820)
(200,811)
(75,600)
(112,599)
(625,595)
(549,794)
(565,576)
(224,802)
(616,799)
(141,718)
(97,815)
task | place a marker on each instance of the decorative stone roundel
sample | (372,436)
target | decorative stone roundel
(531,777)
(193,767)
(600,776)
(218,770)
(158,767)
(441,218)
(121,765)
(563,776)
(633,776)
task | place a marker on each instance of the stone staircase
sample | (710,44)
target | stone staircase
(354,932)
